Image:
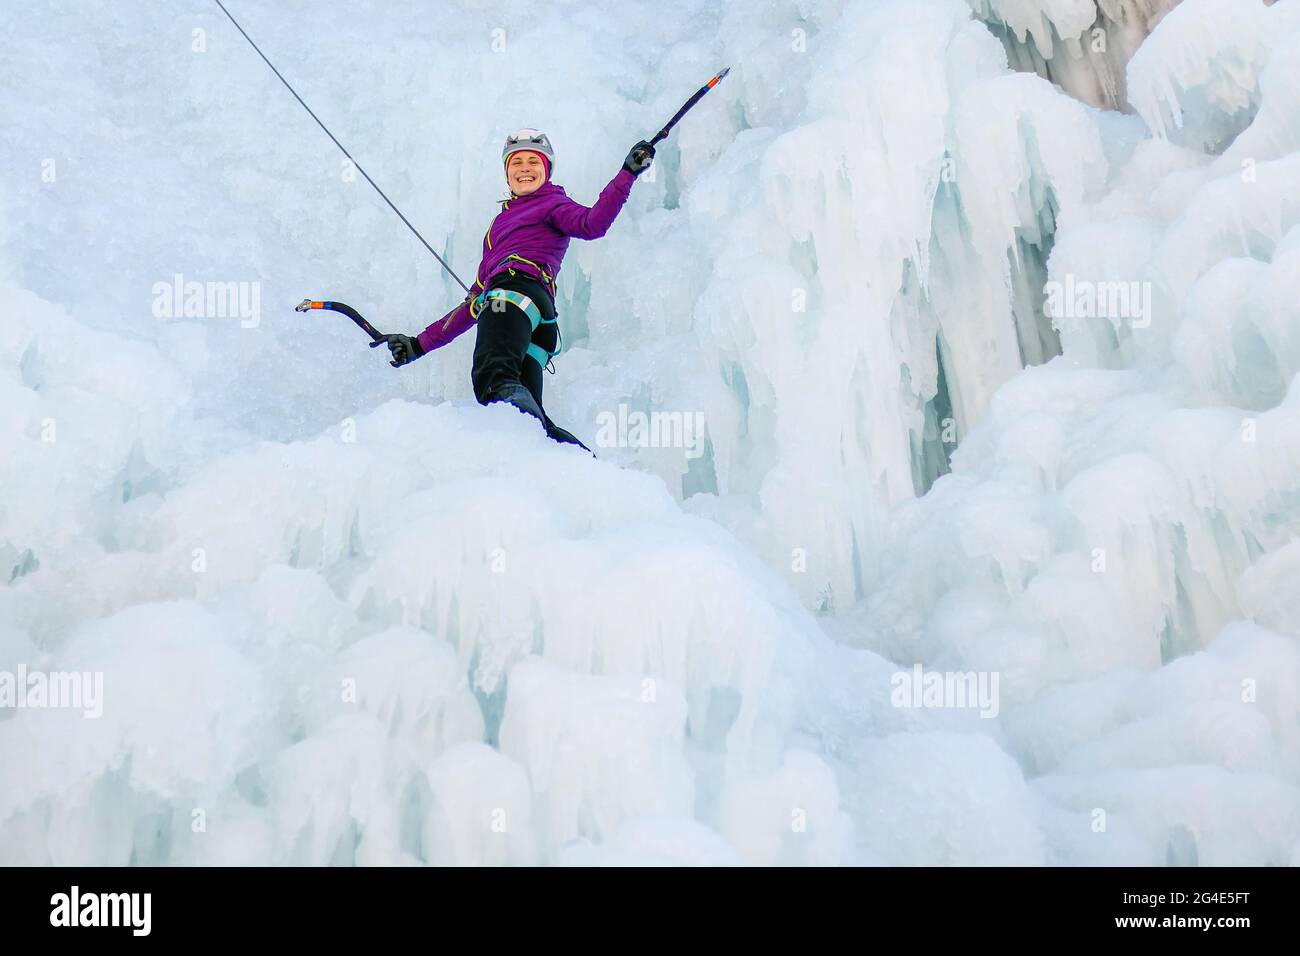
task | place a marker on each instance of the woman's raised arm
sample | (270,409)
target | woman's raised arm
(576,220)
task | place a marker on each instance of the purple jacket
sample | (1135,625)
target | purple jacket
(537,227)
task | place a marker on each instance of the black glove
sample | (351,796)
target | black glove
(640,158)
(405,348)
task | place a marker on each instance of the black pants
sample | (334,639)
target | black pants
(502,370)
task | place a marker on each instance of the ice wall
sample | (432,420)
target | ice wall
(1083,46)
(1116,509)
(344,615)
(305,646)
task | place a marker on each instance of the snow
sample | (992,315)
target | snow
(917,802)
(1209,54)
(995,340)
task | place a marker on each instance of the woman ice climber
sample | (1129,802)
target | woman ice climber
(513,301)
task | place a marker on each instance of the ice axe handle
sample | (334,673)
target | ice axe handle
(695,98)
(342,307)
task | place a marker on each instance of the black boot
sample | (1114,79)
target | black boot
(515,394)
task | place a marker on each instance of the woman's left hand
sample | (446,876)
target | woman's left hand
(640,158)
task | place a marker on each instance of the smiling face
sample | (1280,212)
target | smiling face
(525,172)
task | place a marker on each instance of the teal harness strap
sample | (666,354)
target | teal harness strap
(530,309)
(540,355)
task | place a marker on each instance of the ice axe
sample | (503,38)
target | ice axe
(306,305)
(695,98)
